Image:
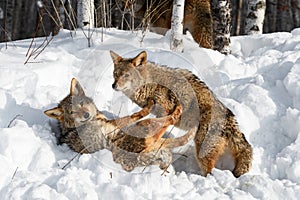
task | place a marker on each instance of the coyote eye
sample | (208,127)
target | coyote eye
(126,75)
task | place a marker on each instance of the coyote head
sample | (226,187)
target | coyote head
(126,74)
(75,109)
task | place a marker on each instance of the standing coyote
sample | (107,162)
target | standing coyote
(86,130)
(216,127)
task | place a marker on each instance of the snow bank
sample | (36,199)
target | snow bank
(259,82)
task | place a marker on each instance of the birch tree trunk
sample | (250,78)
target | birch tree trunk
(85,13)
(220,10)
(177,26)
(255,17)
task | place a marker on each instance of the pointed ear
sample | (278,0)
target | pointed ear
(55,113)
(140,59)
(115,57)
(76,88)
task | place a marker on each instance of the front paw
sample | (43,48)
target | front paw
(128,166)
(150,103)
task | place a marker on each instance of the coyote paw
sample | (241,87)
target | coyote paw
(128,167)
(145,111)
(150,103)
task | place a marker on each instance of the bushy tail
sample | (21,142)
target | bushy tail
(180,141)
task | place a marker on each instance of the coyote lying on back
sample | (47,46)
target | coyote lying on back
(216,127)
(86,130)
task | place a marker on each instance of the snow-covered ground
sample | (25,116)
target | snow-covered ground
(259,82)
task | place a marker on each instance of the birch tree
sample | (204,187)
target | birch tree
(255,17)
(177,26)
(220,10)
(85,13)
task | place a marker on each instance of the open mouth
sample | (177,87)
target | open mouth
(124,88)
(121,89)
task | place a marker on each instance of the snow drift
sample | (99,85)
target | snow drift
(259,82)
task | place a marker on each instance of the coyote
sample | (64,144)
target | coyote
(216,127)
(86,130)
(197,17)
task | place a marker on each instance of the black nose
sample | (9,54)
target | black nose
(114,85)
(86,115)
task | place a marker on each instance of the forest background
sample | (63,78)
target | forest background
(20,19)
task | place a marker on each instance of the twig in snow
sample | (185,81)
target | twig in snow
(89,35)
(15,117)
(78,154)
(12,178)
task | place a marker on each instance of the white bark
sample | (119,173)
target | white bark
(85,13)
(1,13)
(221,10)
(255,17)
(177,26)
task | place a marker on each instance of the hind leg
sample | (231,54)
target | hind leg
(161,157)
(165,159)
(127,160)
(208,152)
(242,153)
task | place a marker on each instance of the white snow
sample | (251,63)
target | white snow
(259,82)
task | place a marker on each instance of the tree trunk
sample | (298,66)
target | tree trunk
(57,17)
(7,21)
(284,16)
(69,10)
(238,18)
(255,17)
(271,16)
(43,19)
(221,25)
(85,13)
(234,16)
(2,19)
(295,11)
(177,26)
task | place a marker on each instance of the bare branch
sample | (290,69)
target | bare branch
(78,154)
